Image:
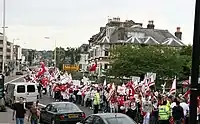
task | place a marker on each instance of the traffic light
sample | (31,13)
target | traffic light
(1,86)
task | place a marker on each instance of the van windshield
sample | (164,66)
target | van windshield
(20,89)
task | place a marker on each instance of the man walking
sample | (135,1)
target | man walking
(19,111)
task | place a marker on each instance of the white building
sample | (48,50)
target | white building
(117,32)
(83,63)
(9,51)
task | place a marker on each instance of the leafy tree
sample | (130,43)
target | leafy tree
(131,60)
(187,53)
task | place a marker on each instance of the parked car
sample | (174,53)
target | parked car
(61,113)
(108,118)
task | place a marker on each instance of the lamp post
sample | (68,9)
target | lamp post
(54,51)
(14,50)
(4,36)
(195,66)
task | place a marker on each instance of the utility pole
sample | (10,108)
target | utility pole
(4,36)
(195,66)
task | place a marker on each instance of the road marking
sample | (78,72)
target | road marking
(14,79)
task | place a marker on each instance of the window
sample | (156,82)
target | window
(89,120)
(98,120)
(63,107)
(53,109)
(120,120)
(105,66)
(106,53)
(20,89)
(30,88)
(48,108)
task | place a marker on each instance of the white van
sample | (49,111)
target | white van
(15,90)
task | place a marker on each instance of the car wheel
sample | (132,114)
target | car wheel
(52,121)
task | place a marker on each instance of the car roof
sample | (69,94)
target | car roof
(56,103)
(110,115)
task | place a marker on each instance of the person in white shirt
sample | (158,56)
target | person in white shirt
(173,103)
(185,107)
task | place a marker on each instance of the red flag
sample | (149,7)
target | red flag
(93,67)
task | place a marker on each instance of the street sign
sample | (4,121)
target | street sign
(71,67)
(1,86)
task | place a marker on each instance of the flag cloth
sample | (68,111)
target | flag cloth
(173,89)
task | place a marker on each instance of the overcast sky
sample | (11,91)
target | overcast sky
(73,22)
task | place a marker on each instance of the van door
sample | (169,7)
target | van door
(32,93)
(20,92)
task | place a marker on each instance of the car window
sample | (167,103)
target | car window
(30,88)
(53,109)
(120,120)
(67,107)
(20,89)
(97,120)
(89,120)
(48,108)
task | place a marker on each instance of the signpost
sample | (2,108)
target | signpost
(70,67)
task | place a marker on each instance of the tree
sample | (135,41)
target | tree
(186,51)
(73,54)
(131,60)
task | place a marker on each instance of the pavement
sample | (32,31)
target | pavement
(6,117)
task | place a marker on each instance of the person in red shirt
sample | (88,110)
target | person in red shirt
(121,104)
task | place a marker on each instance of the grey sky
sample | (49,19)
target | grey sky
(73,22)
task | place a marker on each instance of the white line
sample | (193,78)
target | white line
(14,79)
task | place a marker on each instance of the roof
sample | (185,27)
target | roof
(22,83)
(151,37)
(110,115)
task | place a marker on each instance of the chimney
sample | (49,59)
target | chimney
(101,29)
(150,25)
(178,33)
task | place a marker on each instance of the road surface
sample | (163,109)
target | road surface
(6,117)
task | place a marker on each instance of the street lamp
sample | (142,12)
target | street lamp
(54,51)
(4,36)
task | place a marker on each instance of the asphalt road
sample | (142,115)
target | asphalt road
(6,117)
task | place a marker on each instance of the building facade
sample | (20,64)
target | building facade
(127,32)
(83,63)
(9,52)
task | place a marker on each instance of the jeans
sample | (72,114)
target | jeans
(19,120)
(34,121)
(178,121)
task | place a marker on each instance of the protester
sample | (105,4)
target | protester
(96,101)
(19,111)
(177,113)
